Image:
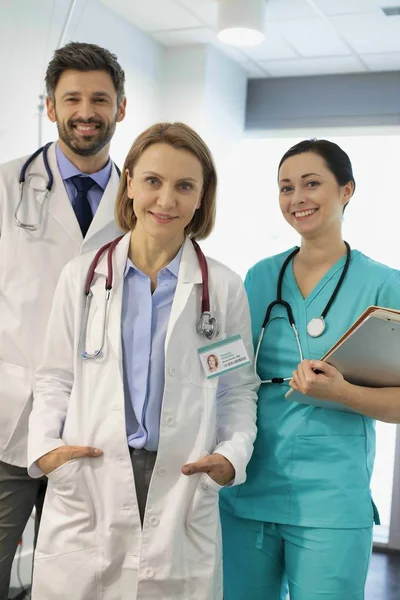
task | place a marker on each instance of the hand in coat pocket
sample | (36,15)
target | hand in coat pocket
(56,458)
(216,466)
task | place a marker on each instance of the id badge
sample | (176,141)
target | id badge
(223,356)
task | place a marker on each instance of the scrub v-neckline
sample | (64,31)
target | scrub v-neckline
(319,286)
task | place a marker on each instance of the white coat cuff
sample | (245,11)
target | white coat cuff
(225,449)
(35,453)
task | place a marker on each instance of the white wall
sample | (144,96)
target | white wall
(207,90)
(30,32)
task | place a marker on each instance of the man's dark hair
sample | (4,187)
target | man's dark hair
(84,57)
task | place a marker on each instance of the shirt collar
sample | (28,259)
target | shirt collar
(68,170)
(172,267)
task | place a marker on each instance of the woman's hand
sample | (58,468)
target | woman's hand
(216,466)
(52,460)
(329,384)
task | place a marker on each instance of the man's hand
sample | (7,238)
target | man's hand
(54,459)
(216,466)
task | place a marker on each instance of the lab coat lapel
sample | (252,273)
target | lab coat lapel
(58,204)
(115,306)
(105,213)
(189,275)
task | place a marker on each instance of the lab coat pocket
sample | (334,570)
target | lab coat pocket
(71,575)
(62,471)
(202,523)
(69,521)
(203,537)
(15,393)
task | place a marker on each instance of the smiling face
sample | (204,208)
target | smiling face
(166,188)
(212,364)
(310,197)
(86,111)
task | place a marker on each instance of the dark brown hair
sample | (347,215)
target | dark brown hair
(84,57)
(181,137)
(336,159)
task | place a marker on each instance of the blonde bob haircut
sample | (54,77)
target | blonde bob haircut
(181,137)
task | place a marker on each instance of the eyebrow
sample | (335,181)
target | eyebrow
(95,94)
(303,177)
(154,174)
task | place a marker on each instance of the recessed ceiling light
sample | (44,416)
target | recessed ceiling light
(241,22)
(241,36)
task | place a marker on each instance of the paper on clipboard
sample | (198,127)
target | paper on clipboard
(367,354)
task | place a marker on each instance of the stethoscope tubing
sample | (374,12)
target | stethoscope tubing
(279,301)
(49,186)
(207,324)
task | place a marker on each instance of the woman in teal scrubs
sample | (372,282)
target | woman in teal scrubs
(305,513)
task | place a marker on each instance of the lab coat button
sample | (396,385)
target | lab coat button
(161,471)
(172,372)
(154,521)
(204,487)
(149,574)
(169,421)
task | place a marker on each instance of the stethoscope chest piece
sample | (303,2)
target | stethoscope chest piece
(316,327)
(207,326)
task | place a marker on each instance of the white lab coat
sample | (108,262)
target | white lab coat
(91,544)
(30,265)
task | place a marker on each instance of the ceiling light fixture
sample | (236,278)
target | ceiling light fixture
(241,22)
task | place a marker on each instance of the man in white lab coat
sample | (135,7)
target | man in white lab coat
(66,208)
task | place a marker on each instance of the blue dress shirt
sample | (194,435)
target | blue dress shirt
(144,325)
(68,170)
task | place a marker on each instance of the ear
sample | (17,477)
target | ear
(121,111)
(51,110)
(129,184)
(347,192)
(199,201)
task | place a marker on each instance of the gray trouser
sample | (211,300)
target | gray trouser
(143,464)
(18,495)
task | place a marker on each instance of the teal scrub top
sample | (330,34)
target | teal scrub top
(311,466)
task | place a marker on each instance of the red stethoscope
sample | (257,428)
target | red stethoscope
(206,325)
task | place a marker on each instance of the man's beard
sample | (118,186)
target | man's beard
(90,145)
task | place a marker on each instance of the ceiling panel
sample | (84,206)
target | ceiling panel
(274,47)
(353,36)
(383,62)
(205,10)
(182,37)
(154,15)
(312,66)
(288,9)
(313,37)
(370,34)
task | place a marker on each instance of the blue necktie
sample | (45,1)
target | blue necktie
(80,203)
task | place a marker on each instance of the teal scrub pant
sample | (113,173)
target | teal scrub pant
(317,564)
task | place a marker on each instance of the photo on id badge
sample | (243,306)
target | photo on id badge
(223,356)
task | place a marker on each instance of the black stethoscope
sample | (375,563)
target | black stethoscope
(206,325)
(316,325)
(50,180)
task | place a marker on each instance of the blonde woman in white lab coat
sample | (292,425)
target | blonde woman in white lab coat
(137,442)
